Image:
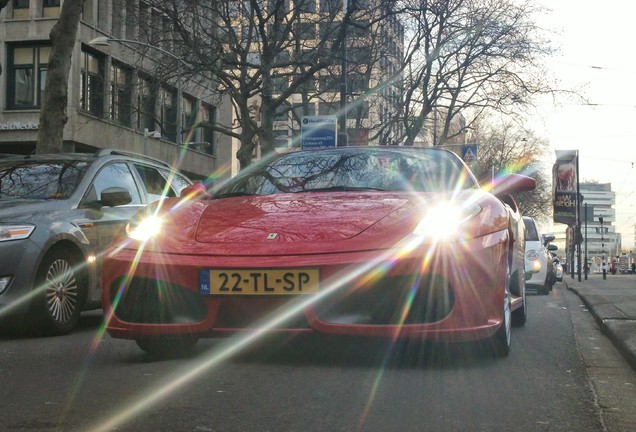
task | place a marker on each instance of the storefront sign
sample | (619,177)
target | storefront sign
(13,126)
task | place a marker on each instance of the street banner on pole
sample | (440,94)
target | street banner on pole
(564,184)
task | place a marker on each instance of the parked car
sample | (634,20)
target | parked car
(57,215)
(538,259)
(361,241)
(558,270)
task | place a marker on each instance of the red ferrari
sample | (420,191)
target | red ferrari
(395,242)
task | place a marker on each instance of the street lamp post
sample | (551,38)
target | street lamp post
(105,41)
(342,138)
(585,269)
(600,219)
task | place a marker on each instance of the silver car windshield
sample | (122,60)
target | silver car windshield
(40,180)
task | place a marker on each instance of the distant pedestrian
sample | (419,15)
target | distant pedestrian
(634,268)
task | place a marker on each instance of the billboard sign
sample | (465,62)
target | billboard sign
(564,186)
(318,131)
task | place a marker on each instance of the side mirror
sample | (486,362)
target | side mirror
(195,191)
(513,183)
(115,196)
(552,247)
(547,238)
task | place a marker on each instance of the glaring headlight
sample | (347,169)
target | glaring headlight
(15,232)
(144,228)
(445,220)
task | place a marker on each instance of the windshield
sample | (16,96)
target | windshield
(531,230)
(40,179)
(353,169)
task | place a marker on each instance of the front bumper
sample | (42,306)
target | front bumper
(18,261)
(451,292)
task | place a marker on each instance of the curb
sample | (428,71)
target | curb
(611,328)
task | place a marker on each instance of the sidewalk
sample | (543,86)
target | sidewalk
(612,302)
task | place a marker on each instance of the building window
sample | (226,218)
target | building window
(208,116)
(330,6)
(92,84)
(328,108)
(51,8)
(120,94)
(306,30)
(308,6)
(102,14)
(146,102)
(308,86)
(27,76)
(188,113)
(168,114)
(21,9)
(301,110)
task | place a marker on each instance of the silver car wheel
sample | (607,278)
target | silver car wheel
(61,291)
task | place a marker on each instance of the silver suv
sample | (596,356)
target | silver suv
(58,213)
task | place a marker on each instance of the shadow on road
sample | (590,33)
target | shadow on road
(22,327)
(333,351)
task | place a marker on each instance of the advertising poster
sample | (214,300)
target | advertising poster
(564,179)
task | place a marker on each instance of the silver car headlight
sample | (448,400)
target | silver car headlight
(10,232)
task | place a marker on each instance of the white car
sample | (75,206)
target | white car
(558,268)
(538,261)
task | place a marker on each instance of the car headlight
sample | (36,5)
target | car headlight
(143,228)
(445,220)
(15,231)
(532,255)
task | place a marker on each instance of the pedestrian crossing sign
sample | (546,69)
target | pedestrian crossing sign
(469,152)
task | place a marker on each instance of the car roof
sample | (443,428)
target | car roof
(87,157)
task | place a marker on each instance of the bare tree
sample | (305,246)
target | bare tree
(469,54)
(504,146)
(456,54)
(53,115)
(3,3)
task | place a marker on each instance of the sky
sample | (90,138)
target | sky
(596,44)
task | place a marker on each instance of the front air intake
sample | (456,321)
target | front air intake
(149,301)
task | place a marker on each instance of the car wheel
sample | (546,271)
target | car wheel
(60,292)
(167,346)
(501,340)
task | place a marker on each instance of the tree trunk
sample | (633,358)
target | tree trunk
(53,116)
(3,3)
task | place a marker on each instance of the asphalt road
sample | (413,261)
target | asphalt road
(89,382)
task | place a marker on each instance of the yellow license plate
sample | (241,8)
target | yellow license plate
(259,281)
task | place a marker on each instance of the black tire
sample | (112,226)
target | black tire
(500,342)
(167,346)
(60,292)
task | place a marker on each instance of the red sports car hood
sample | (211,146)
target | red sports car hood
(293,218)
(307,223)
